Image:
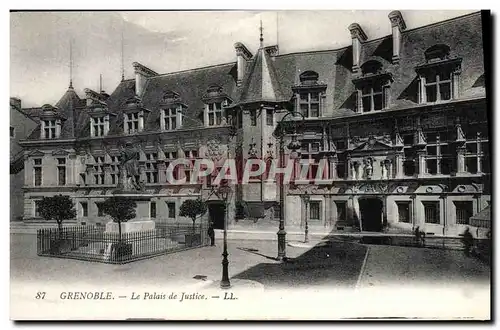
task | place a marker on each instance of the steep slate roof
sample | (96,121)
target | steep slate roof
(191,85)
(124,91)
(261,82)
(71,107)
(272,78)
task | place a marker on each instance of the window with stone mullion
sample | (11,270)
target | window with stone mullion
(151,168)
(438,86)
(50,129)
(114,169)
(214,113)
(476,154)
(98,123)
(132,123)
(439,158)
(99,170)
(169,119)
(309,104)
(372,97)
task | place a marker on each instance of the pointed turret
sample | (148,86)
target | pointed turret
(67,107)
(261,83)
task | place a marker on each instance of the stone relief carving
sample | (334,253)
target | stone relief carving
(368,167)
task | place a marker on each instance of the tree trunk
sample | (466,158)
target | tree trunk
(194,221)
(59,228)
(119,231)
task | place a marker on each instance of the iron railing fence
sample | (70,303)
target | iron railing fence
(95,244)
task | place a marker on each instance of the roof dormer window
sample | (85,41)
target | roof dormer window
(214,113)
(169,119)
(309,95)
(372,87)
(439,76)
(99,126)
(99,115)
(171,114)
(51,121)
(131,123)
(133,116)
(49,129)
(215,102)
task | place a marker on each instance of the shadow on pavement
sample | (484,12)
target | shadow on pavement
(332,263)
(255,251)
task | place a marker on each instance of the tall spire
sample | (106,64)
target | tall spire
(122,68)
(100,82)
(261,35)
(277,30)
(70,63)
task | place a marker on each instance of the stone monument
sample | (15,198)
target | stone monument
(131,187)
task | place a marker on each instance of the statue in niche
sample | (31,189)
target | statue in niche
(355,170)
(359,173)
(223,121)
(368,167)
(383,166)
(129,168)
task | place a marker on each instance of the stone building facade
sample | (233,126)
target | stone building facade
(21,125)
(402,122)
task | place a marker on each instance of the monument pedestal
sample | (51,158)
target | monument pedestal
(130,226)
(141,222)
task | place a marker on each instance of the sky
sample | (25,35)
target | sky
(168,42)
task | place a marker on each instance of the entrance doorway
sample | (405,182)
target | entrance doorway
(371,214)
(216,214)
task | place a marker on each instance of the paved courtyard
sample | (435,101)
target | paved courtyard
(316,272)
(331,262)
(337,263)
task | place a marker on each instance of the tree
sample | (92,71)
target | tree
(192,208)
(57,208)
(120,209)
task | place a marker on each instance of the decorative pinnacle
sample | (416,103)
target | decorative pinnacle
(261,35)
(70,63)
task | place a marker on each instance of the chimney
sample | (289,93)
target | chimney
(398,25)
(91,96)
(15,103)
(358,36)
(272,51)
(242,56)
(141,74)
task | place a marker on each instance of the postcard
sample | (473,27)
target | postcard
(250,165)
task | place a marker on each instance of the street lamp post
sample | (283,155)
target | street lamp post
(307,198)
(224,193)
(293,146)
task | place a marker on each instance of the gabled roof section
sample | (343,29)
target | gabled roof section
(124,91)
(68,106)
(261,83)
